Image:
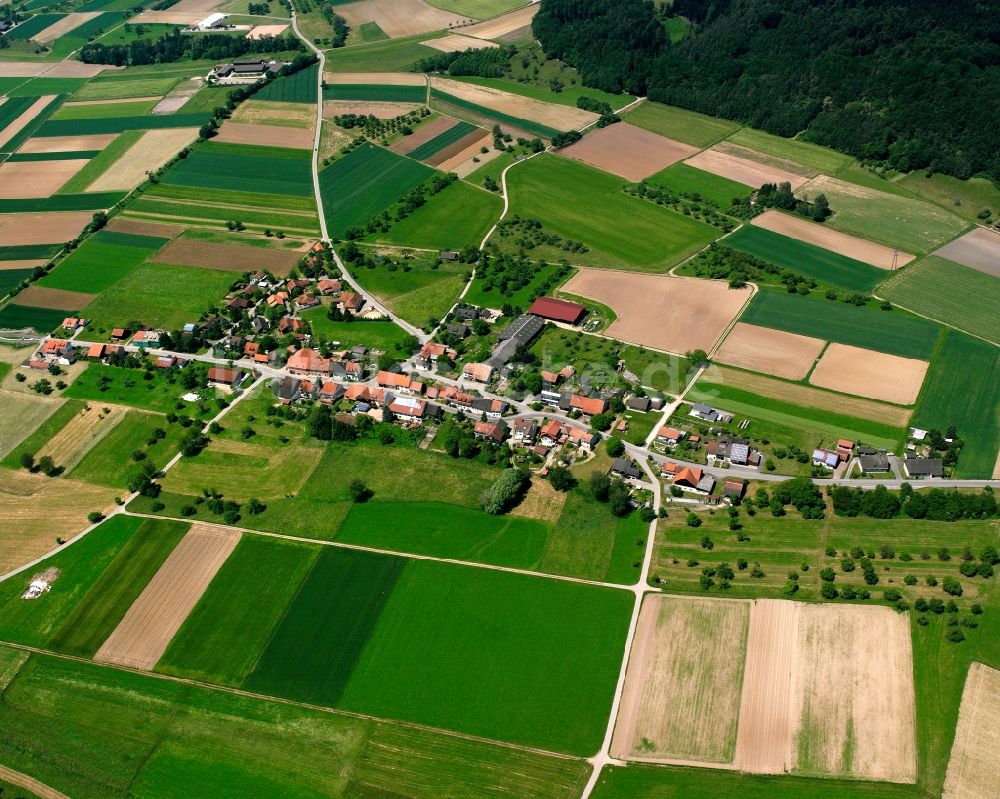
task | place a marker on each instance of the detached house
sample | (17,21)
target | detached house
(308,362)
(491,431)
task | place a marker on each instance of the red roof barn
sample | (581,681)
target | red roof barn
(558,310)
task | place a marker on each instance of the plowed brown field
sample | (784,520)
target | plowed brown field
(229,257)
(627,151)
(59,299)
(867,373)
(774,352)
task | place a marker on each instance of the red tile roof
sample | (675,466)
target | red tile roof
(557,310)
(588,405)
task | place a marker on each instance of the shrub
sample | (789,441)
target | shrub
(693,520)
(95,516)
(505,492)
(952,586)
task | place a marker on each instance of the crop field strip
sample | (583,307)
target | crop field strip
(443,140)
(101,261)
(377,92)
(69,127)
(480,112)
(238,167)
(972,766)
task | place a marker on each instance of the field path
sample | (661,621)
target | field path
(30,784)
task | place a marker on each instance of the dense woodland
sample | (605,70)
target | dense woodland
(909,83)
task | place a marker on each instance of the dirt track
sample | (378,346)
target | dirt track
(742,170)
(829,239)
(866,373)
(627,151)
(35,179)
(773,352)
(41,790)
(972,769)
(157,614)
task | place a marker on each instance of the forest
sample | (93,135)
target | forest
(175,46)
(909,84)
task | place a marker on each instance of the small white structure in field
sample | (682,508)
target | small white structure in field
(36,589)
(212,21)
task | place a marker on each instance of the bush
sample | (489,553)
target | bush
(693,520)
(561,478)
(95,516)
(358,490)
(951,586)
(955,635)
(891,595)
(506,491)
(828,591)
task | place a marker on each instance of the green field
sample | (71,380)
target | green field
(395,55)
(481,112)
(363,183)
(95,732)
(120,88)
(442,140)
(686,126)
(33,25)
(963,388)
(34,127)
(29,252)
(104,605)
(806,259)
(63,202)
(253,199)
(886,331)
(951,293)
(817,158)
(456,217)
(298,88)
(38,87)
(100,262)
(159,296)
(713,189)
(191,212)
(377,334)
(15,317)
(963,197)
(229,627)
(581,203)
(63,156)
(108,110)
(109,462)
(12,108)
(389,93)
(10,278)
(127,387)
(71,127)
(236,167)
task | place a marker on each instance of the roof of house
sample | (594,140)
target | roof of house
(220,374)
(932,467)
(690,475)
(396,380)
(845,443)
(494,430)
(639,403)
(557,310)
(588,405)
(733,488)
(625,467)
(478,371)
(95,351)
(308,360)
(878,462)
(406,406)
(670,433)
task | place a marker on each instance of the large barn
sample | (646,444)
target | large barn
(558,310)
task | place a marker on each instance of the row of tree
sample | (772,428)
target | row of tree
(176,46)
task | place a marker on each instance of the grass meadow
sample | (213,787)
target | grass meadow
(806,259)
(298,88)
(713,189)
(162,393)
(813,156)
(416,295)
(894,332)
(375,334)
(963,197)
(121,88)
(951,293)
(478,294)
(689,127)
(15,317)
(584,204)
(396,55)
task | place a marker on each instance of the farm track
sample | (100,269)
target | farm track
(40,789)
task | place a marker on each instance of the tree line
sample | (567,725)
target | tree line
(910,84)
(175,46)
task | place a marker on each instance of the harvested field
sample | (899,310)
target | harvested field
(77,69)
(171,17)
(541,502)
(58,299)
(462,164)
(833,240)
(978,249)
(37,509)
(64,26)
(374,78)
(559,117)
(685,674)
(266,135)
(749,173)
(228,257)
(32,179)
(260,31)
(627,151)
(798,394)
(456,42)
(153,149)
(690,313)
(773,352)
(46,228)
(23,69)
(272,112)
(19,124)
(398,17)
(24,413)
(766,729)
(67,144)
(423,134)
(69,446)
(122,225)
(144,632)
(178,96)
(853,702)
(117,101)
(379,109)
(866,373)
(502,25)
(760,156)
(25,263)
(972,769)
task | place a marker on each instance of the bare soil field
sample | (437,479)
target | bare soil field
(68,144)
(627,151)
(766,728)
(260,31)
(470,139)
(829,239)
(689,313)
(767,159)
(978,249)
(159,611)
(462,164)
(810,397)
(24,69)
(153,149)
(145,228)
(77,69)
(375,108)
(773,352)
(22,264)
(266,135)
(44,228)
(31,179)
(377,78)
(502,25)
(69,446)
(422,134)
(64,25)
(866,373)
(17,125)
(560,117)
(854,701)
(456,42)
(59,299)
(22,414)
(228,257)
(399,17)
(38,509)
(742,170)
(972,769)
(269,112)
(684,679)
(171,17)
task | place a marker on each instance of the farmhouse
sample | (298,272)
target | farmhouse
(641,404)
(431,351)
(557,310)
(57,349)
(525,431)
(824,457)
(878,462)
(588,405)
(403,383)
(469,312)
(328,286)
(621,467)
(517,334)
(491,431)
(288,389)
(408,409)
(221,376)
(330,392)
(146,338)
(308,362)
(920,468)
(670,435)
(73,323)
(693,480)
(350,302)
(733,490)
(479,372)
(732,450)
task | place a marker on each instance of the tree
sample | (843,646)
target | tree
(506,491)
(616,447)
(693,520)
(193,443)
(320,423)
(46,465)
(600,487)
(94,516)
(561,478)
(255,507)
(359,491)
(619,498)
(951,586)
(27,461)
